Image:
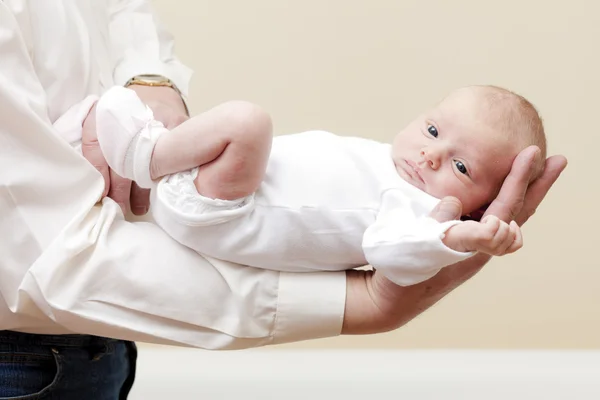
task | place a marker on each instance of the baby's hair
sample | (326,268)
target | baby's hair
(516,116)
(510,114)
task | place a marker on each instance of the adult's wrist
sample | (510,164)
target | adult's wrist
(163,95)
(362,314)
(144,84)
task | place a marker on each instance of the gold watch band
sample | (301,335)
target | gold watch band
(139,81)
(157,81)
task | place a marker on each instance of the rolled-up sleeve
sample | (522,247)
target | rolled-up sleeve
(141,45)
(72,264)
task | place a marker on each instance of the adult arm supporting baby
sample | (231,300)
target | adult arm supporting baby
(136,44)
(71,265)
(139,44)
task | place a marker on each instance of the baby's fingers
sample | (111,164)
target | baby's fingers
(506,240)
(497,237)
(500,232)
(518,235)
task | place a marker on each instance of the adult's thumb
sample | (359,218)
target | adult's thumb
(448,209)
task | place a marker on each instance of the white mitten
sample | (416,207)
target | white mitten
(127,134)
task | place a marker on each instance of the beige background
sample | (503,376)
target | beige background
(366,68)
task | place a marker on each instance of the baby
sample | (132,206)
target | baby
(317,201)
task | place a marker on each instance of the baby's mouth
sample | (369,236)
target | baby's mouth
(413,170)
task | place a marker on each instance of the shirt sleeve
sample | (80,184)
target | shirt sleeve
(141,45)
(408,249)
(73,264)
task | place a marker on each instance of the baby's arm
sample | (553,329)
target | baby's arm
(491,236)
(231,144)
(409,249)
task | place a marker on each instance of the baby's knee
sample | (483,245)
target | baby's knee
(249,122)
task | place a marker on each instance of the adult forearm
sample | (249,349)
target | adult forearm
(167,104)
(108,277)
(141,45)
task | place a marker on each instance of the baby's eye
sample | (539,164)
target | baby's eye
(432,130)
(461,167)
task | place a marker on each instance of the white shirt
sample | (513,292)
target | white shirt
(72,265)
(327,202)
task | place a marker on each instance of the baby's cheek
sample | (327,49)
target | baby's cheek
(448,187)
(474,201)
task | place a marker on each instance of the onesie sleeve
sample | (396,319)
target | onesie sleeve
(407,248)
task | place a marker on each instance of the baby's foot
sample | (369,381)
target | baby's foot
(127,134)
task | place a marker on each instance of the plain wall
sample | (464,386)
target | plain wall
(367,68)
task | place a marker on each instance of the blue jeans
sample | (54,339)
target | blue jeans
(66,367)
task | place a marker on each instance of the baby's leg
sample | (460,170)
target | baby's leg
(230,143)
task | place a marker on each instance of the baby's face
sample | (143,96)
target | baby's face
(449,151)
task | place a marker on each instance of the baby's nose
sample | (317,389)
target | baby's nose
(431,157)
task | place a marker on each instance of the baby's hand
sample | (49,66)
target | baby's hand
(491,236)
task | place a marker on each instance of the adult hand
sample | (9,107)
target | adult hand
(374,304)
(168,108)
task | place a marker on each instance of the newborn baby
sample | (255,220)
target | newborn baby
(318,201)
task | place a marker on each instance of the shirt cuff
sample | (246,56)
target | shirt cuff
(310,306)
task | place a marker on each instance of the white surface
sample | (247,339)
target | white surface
(165,373)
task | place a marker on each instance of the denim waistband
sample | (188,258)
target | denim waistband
(53,340)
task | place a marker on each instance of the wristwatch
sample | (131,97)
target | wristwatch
(156,80)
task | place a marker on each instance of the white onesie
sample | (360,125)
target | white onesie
(327,202)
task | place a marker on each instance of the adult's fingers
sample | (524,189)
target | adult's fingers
(120,190)
(555,165)
(509,202)
(448,209)
(140,200)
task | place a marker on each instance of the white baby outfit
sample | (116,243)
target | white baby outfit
(327,202)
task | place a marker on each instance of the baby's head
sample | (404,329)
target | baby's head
(464,147)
